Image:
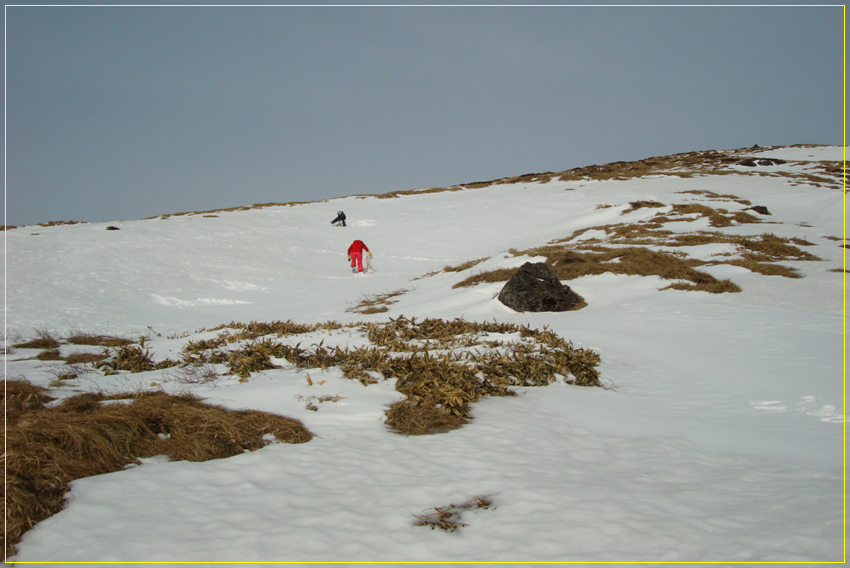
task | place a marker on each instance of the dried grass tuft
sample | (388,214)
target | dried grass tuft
(46,448)
(490,276)
(83,358)
(464,265)
(22,396)
(448,518)
(635,205)
(99,340)
(133,359)
(49,355)
(569,264)
(44,341)
(377,303)
(421,416)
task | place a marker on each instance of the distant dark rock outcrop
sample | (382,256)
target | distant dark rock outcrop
(771,162)
(112,228)
(760,209)
(752,162)
(535,288)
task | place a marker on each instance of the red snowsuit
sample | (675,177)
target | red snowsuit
(355,254)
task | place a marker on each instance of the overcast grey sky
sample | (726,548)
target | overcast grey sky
(118,113)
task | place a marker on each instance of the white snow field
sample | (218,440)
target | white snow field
(719,435)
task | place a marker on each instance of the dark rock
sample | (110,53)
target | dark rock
(111,228)
(534,288)
(760,209)
(752,162)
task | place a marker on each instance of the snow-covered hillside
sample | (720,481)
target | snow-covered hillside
(719,435)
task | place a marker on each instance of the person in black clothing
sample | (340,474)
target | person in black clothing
(340,218)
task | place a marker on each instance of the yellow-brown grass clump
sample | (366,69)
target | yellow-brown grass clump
(377,303)
(441,366)
(569,264)
(86,435)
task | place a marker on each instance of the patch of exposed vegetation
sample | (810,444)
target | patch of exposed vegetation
(377,303)
(278,328)
(133,359)
(829,174)
(689,212)
(47,448)
(448,518)
(682,165)
(57,223)
(457,268)
(441,366)
(83,358)
(568,264)
(719,197)
(49,355)
(464,265)
(489,276)
(43,341)
(394,194)
(51,347)
(625,249)
(81,338)
(209,213)
(686,165)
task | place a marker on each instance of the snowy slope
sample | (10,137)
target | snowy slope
(721,439)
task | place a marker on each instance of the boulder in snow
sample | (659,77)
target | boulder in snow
(535,288)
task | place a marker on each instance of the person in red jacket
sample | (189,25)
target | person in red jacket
(355,255)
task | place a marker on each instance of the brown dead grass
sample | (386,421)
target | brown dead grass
(442,383)
(84,358)
(570,259)
(448,518)
(716,196)
(765,268)
(490,276)
(464,265)
(377,303)
(46,448)
(394,194)
(208,213)
(43,342)
(568,264)
(441,366)
(279,328)
(770,248)
(49,355)
(21,396)
(57,223)
(635,205)
(98,340)
(422,416)
(684,165)
(132,358)
(824,174)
